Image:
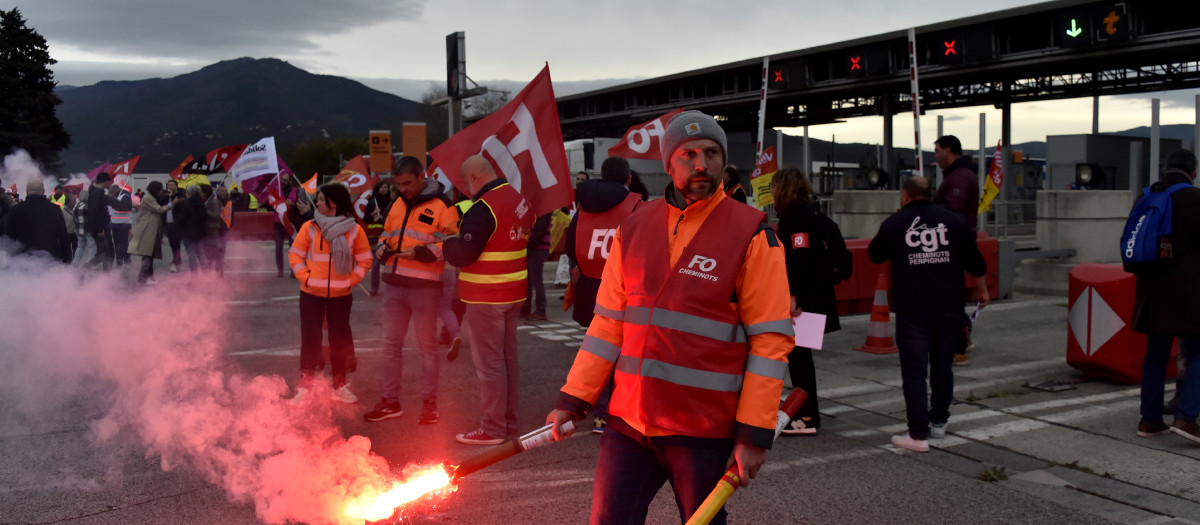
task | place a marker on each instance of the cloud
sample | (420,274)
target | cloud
(213,29)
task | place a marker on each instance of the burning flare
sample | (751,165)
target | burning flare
(377,506)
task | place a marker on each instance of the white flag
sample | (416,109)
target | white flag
(258,159)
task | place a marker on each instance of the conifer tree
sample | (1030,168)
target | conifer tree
(27,101)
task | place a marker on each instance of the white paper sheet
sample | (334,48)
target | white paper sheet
(810,330)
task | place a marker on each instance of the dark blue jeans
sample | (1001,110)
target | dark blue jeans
(1154,372)
(630,472)
(926,343)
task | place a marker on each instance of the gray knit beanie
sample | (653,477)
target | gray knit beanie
(690,125)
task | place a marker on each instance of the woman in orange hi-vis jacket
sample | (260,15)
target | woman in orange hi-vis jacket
(330,255)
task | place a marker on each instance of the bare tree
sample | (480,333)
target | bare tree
(436,118)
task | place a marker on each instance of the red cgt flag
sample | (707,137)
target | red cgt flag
(523,141)
(641,141)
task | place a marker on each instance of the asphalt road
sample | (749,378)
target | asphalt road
(68,456)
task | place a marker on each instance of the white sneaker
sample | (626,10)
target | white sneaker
(937,431)
(344,395)
(797,427)
(150,281)
(300,398)
(174,268)
(907,442)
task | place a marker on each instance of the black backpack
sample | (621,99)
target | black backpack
(840,262)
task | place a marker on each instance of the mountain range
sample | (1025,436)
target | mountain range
(242,100)
(231,102)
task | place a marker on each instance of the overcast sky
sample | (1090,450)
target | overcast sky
(97,40)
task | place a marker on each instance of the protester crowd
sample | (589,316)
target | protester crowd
(689,333)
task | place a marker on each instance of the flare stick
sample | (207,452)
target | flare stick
(730,481)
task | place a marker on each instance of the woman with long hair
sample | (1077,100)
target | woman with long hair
(146,239)
(329,256)
(812,246)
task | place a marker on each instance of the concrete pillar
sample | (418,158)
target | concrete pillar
(1006,139)
(1135,168)
(1096,115)
(808,167)
(937,169)
(983,166)
(885,161)
(1196,133)
(1154,150)
(778,148)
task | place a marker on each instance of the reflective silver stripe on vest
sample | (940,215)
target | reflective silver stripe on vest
(335,283)
(615,315)
(782,326)
(680,375)
(364,256)
(600,348)
(766,367)
(682,322)
(418,274)
(298,266)
(419,236)
(441,236)
(638,315)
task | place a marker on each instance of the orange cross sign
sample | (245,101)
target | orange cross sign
(1110,22)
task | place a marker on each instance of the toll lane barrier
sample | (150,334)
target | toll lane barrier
(1100,339)
(855,295)
(252,226)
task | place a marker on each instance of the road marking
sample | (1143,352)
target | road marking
(772,466)
(263,301)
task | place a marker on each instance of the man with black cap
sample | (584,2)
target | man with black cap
(694,329)
(98,221)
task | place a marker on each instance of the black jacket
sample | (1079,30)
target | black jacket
(928,247)
(40,228)
(1169,302)
(97,209)
(190,217)
(809,266)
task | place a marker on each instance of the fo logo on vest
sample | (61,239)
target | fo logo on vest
(602,240)
(704,265)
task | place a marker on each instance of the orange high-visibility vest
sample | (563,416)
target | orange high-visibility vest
(685,354)
(425,224)
(310,262)
(227,214)
(500,275)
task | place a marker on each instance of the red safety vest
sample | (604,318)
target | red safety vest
(500,275)
(594,235)
(684,351)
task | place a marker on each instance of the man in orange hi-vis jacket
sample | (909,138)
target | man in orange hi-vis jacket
(694,327)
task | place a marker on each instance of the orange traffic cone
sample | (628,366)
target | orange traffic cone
(879,330)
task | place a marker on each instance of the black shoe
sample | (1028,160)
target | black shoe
(429,413)
(384,410)
(455,346)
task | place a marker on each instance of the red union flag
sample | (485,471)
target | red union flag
(524,143)
(224,157)
(177,173)
(359,179)
(641,141)
(122,171)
